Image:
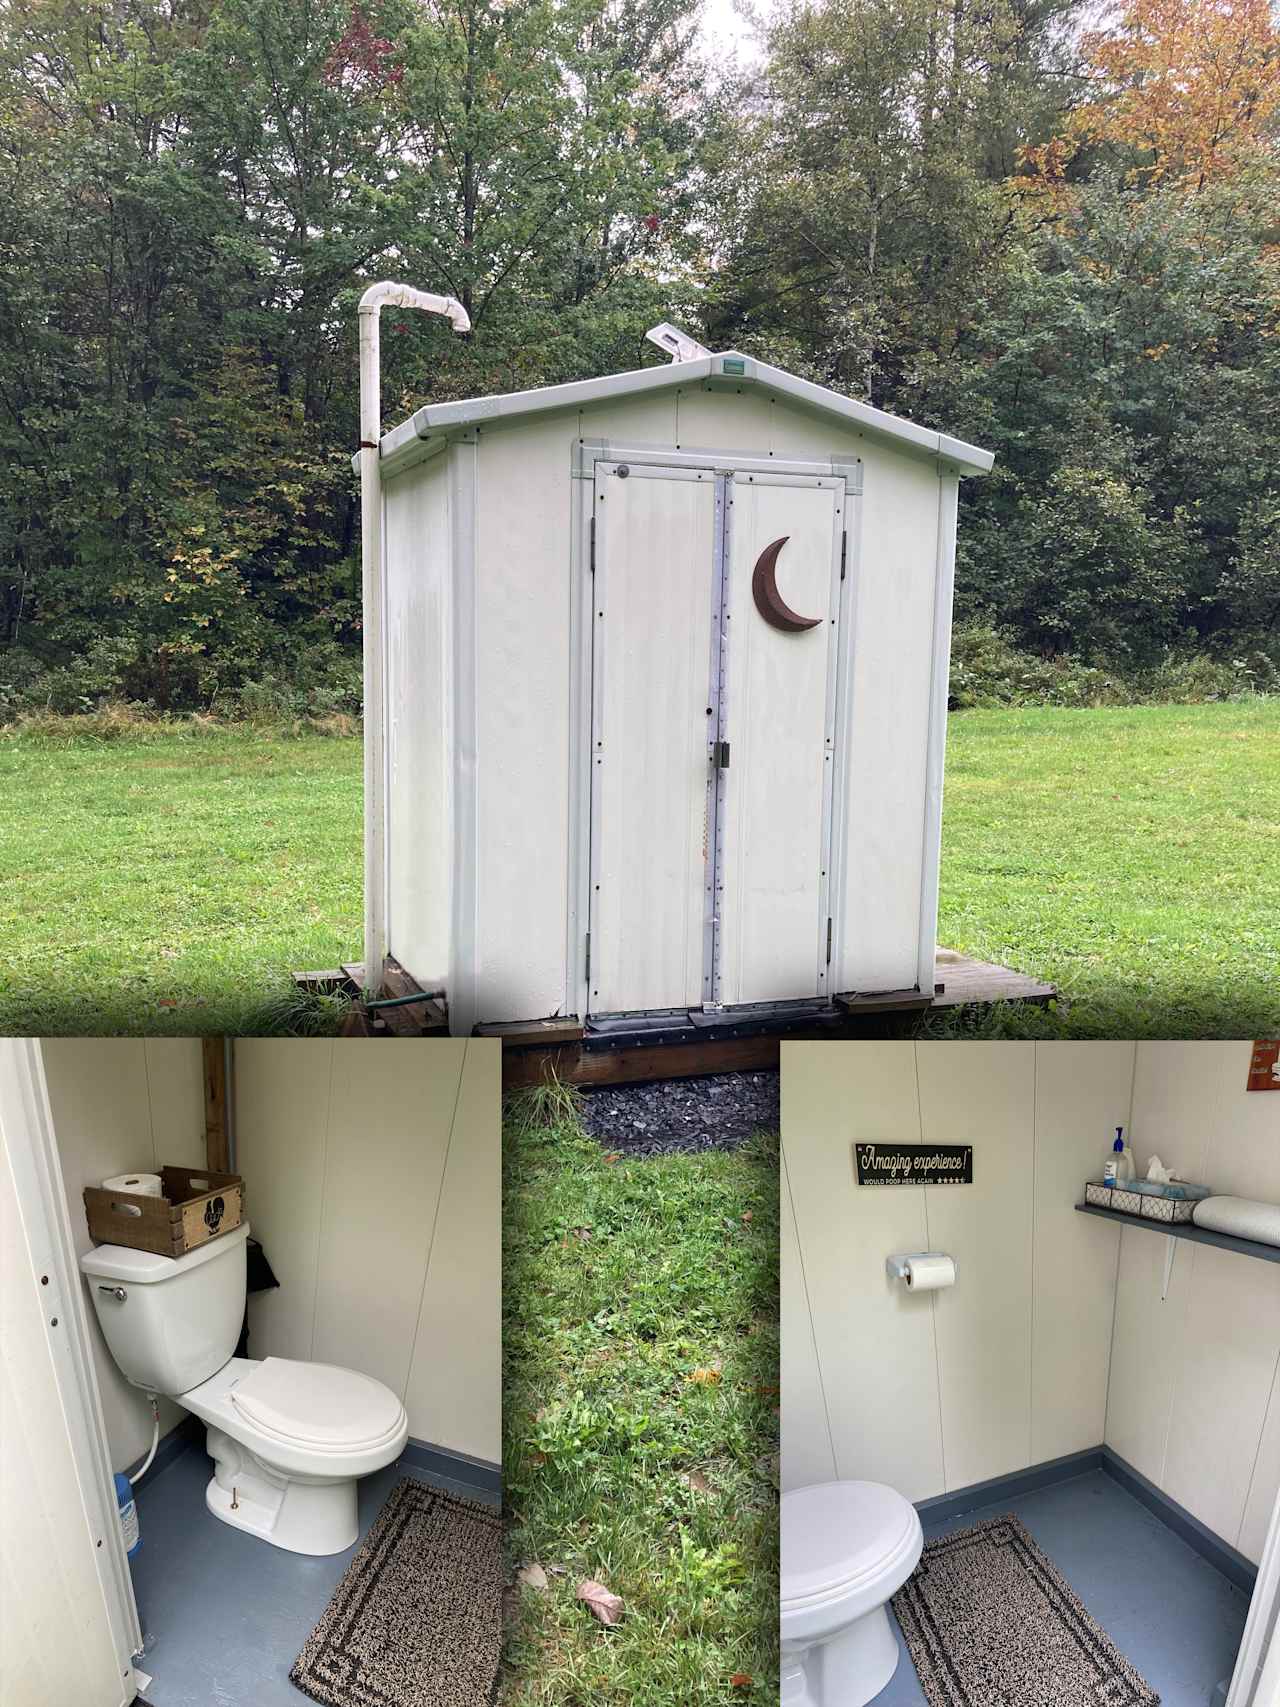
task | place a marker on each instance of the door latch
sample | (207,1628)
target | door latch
(720,755)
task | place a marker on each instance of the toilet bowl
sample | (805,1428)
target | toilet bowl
(288,1439)
(847,1548)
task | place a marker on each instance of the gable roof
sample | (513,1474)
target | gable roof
(729,367)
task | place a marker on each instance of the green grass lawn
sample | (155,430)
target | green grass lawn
(640,1395)
(1130,856)
(172,882)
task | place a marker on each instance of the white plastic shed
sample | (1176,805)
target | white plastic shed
(660,694)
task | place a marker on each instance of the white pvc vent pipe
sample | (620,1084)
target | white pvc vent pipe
(375,299)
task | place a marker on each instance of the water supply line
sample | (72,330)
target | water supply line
(142,1469)
(386,294)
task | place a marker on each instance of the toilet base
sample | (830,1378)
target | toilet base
(849,1669)
(315,1517)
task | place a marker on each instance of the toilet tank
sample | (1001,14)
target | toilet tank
(179,1318)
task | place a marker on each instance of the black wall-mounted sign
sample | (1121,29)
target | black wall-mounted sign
(914,1164)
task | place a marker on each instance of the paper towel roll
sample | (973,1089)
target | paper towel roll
(1241,1216)
(928,1273)
(140,1185)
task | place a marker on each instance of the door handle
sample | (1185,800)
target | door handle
(116,1292)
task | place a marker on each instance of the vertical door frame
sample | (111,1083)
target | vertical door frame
(33,1157)
(584,554)
(935,754)
(1256,1677)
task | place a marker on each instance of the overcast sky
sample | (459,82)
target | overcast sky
(726,31)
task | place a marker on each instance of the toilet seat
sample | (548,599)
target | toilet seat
(845,1544)
(317,1405)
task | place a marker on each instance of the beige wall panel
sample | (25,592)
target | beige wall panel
(1083,1092)
(282,1089)
(1230,1349)
(1264,1485)
(875,1342)
(983,1094)
(807,1454)
(891,604)
(120,1104)
(390,1114)
(523,516)
(630,420)
(454,1390)
(419,728)
(1146,1349)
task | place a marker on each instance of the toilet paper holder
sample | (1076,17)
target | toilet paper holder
(896,1267)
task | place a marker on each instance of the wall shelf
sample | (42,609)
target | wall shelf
(1187,1230)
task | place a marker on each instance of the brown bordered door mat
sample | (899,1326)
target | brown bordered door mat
(417,1615)
(988,1618)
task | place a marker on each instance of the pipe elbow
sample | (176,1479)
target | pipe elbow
(387,293)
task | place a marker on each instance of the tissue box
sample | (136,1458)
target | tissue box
(1122,1198)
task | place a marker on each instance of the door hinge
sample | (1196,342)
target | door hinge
(844,550)
(587,968)
(593,545)
(828,942)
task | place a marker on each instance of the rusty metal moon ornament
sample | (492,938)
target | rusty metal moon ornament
(769,601)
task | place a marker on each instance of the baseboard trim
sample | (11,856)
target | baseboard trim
(1212,1548)
(476,1473)
(945,1506)
(1219,1553)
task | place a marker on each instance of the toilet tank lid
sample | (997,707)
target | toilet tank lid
(838,1535)
(143,1268)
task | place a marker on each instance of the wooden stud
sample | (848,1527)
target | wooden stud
(217,1147)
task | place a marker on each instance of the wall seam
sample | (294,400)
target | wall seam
(933,1301)
(151,1108)
(435,1219)
(1115,1287)
(324,1192)
(1272,1397)
(808,1305)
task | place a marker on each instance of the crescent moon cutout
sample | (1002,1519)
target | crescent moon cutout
(769,601)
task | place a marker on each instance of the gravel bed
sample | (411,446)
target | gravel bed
(718,1112)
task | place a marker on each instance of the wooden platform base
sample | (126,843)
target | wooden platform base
(537,1050)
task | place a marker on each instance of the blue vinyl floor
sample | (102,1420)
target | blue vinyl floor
(1168,1611)
(224,1614)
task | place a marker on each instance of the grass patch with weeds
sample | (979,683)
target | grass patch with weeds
(640,1394)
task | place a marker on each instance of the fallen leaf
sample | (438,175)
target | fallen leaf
(614,1156)
(601,1602)
(746,1215)
(704,1377)
(583,1233)
(537,1459)
(697,1481)
(742,1680)
(532,1576)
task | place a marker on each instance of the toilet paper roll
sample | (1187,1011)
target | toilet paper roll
(928,1273)
(140,1185)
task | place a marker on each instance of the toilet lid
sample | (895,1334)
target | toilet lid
(840,1534)
(317,1403)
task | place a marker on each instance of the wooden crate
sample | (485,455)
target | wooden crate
(195,1206)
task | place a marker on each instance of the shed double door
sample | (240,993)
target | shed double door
(715,647)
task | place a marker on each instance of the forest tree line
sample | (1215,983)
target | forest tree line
(1052,233)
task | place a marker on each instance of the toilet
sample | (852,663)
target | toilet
(289,1440)
(847,1548)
